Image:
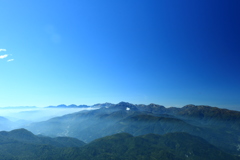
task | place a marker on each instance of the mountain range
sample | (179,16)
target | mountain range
(99,105)
(219,127)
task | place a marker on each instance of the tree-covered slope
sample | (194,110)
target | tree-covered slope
(174,146)
(23,145)
(27,137)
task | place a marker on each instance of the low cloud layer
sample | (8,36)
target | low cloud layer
(36,114)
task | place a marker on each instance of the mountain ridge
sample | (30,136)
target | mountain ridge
(143,119)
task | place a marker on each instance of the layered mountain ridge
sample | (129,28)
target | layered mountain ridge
(220,127)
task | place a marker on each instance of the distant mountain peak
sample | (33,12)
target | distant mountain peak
(100,105)
(125,106)
(3,119)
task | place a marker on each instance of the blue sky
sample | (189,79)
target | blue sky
(140,51)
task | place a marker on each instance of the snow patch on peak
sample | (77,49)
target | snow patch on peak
(127,109)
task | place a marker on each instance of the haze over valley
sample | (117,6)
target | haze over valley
(37,113)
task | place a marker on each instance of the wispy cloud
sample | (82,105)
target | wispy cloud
(2,50)
(3,56)
(6,55)
(10,60)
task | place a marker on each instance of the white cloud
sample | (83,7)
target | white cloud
(10,60)
(3,50)
(3,56)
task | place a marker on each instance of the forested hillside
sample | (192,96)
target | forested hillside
(23,145)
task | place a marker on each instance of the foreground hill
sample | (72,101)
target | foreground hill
(27,137)
(173,146)
(23,145)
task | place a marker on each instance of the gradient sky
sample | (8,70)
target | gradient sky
(168,52)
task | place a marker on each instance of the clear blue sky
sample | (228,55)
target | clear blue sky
(168,52)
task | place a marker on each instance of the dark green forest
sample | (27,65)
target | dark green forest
(23,145)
